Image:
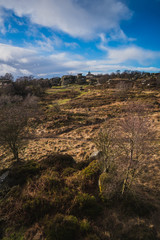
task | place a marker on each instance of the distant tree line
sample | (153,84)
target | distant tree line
(24,86)
(29,85)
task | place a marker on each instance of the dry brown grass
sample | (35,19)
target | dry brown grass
(80,121)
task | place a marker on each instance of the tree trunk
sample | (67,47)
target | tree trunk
(16,154)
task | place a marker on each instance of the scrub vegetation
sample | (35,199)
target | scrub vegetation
(79,162)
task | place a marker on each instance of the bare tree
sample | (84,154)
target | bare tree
(14,115)
(105,144)
(125,147)
(135,138)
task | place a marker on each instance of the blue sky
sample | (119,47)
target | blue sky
(48,38)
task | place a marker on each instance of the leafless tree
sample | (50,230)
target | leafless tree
(126,145)
(105,144)
(135,138)
(14,115)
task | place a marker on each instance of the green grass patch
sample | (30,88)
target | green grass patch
(63,101)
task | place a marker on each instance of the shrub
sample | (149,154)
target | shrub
(137,205)
(49,182)
(12,234)
(86,205)
(36,208)
(68,171)
(91,237)
(22,171)
(140,232)
(85,226)
(58,161)
(62,227)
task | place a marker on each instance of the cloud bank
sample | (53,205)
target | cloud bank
(78,18)
(65,50)
(23,61)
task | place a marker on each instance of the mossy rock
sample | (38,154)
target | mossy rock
(140,232)
(22,171)
(86,205)
(89,177)
(83,164)
(62,227)
(109,185)
(58,161)
(68,171)
(91,171)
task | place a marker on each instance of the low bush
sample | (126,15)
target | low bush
(85,226)
(36,208)
(66,227)
(62,227)
(86,205)
(140,232)
(22,171)
(58,161)
(91,237)
(12,234)
(48,183)
(137,205)
(68,171)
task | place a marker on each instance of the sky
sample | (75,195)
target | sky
(47,38)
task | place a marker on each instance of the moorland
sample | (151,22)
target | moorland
(88,162)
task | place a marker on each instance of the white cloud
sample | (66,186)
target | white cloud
(131,53)
(23,61)
(25,72)
(9,53)
(72,45)
(79,18)
(127,53)
(2,25)
(4,68)
(49,43)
